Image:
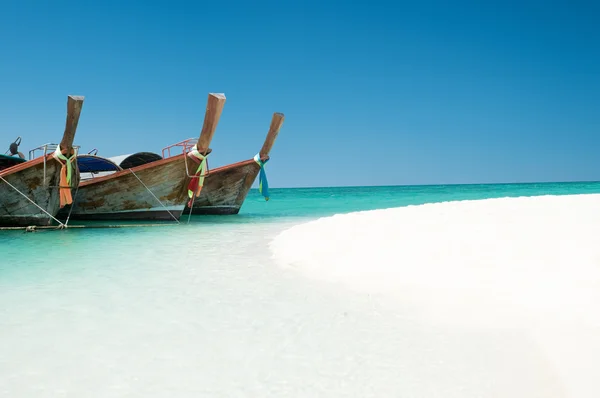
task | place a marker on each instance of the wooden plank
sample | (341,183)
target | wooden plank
(121,196)
(214,108)
(15,210)
(74,105)
(276,123)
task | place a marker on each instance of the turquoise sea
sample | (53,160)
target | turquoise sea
(202,310)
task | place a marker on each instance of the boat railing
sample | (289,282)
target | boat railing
(185,145)
(47,149)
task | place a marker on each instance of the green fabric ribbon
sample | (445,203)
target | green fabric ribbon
(201,171)
(68,162)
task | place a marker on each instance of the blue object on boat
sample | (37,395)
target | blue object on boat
(95,164)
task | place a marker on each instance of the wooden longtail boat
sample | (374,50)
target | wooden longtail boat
(32,192)
(146,188)
(226,187)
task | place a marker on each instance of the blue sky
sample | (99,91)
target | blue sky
(374,93)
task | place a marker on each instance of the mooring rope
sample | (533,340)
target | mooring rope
(61,225)
(191,206)
(171,214)
(101,226)
(72,204)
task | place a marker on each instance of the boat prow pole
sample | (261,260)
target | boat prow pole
(276,123)
(214,108)
(74,105)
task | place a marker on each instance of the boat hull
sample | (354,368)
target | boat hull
(28,178)
(153,214)
(124,196)
(225,189)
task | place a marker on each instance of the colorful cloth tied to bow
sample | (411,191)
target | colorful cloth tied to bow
(263,184)
(66,172)
(197,182)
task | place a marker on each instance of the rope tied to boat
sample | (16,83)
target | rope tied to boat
(151,193)
(66,172)
(197,182)
(35,204)
(263,184)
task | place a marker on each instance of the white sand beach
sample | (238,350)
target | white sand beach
(524,268)
(492,298)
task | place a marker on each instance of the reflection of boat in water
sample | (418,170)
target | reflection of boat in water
(226,187)
(143,186)
(32,192)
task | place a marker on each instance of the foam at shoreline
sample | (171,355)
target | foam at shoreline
(530,265)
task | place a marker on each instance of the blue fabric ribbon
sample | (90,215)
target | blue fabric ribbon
(263,184)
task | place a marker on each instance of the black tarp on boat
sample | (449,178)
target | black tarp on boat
(9,161)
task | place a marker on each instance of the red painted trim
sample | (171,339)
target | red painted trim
(24,166)
(118,174)
(232,166)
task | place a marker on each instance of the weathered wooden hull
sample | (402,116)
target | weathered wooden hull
(38,180)
(121,196)
(225,189)
(28,178)
(152,214)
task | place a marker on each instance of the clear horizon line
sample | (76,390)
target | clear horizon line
(437,184)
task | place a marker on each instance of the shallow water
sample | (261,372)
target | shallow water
(203,310)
